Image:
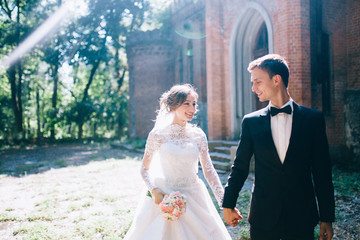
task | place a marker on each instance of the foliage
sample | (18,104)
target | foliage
(346,183)
(136,143)
(6,119)
(158,16)
(75,82)
(243,204)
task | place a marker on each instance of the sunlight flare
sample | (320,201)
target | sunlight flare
(66,11)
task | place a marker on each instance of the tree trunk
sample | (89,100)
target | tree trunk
(80,130)
(15,84)
(91,78)
(94,130)
(86,93)
(17,109)
(55,69)
(38,135)
(118,76)
(54,99)
(19,99)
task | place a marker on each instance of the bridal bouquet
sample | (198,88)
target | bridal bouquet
(173,206)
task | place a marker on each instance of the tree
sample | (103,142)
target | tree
(14,31)
(54,51)
(34,97)
(103,29)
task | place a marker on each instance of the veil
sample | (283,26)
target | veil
(164,119)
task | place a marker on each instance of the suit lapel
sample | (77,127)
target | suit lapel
(269,141)
(295,131)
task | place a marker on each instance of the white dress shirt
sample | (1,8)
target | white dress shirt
(281,125)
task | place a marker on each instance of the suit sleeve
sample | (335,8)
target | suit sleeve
(322,174)
(240,168)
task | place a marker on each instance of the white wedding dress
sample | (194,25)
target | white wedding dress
(178,150)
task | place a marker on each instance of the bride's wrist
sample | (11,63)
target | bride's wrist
(155,189)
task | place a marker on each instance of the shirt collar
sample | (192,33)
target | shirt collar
(290,102)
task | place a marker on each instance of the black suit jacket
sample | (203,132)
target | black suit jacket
(300,190)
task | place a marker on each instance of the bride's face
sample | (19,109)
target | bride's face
(186,111)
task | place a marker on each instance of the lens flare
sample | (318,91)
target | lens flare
(190,35)
(46,29)
(190,30)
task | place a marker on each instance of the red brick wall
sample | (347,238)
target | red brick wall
(353,43)
(153,68)
(150,60)
(216,80)
(352,93)
(153,71)
(291,39)
(334,23)
(291,28)
(291,22)
(188,27)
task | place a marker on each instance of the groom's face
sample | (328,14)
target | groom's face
(262,85)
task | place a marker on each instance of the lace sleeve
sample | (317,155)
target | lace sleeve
(152,145)
(209,171)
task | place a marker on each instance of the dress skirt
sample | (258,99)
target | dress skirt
(201,221)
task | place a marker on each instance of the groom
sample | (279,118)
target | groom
(293,187)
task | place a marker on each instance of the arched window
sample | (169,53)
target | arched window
(260,49)
(320,60)
(252,36)
(261,42)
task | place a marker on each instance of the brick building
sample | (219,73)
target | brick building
(213,41)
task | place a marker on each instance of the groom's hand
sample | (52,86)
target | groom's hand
(326,231)
(232,216)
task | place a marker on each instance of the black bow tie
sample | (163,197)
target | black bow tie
(274,110)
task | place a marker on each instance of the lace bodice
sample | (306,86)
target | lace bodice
(180,149)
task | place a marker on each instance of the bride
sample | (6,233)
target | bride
(170,163)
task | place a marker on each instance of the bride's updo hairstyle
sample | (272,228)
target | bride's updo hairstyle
(177,96)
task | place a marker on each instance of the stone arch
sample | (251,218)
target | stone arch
(251,19)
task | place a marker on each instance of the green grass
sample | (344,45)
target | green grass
(23,169)
(135,143)
(35,231)
(93,201)
(245,233)
(346,183)
(60,163)
(243,204)
(8,217)
(97,200)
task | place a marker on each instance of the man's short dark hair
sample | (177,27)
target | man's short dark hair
(273,64)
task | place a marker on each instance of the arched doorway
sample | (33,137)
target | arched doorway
(261,48)
(252,37)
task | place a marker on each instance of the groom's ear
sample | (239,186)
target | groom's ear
(277,80)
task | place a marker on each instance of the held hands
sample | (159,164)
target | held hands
(232,216)
(158,195)
(326,231)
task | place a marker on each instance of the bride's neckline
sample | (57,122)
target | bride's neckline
(178,125)
(186,126)
(178,131)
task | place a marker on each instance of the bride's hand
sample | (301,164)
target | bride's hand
(158,195)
